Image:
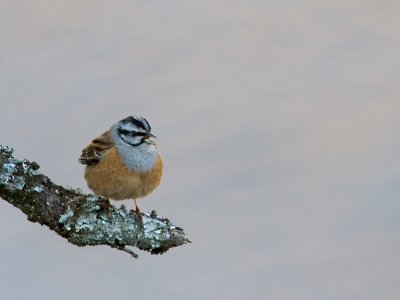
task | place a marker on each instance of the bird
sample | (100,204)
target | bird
(124,162)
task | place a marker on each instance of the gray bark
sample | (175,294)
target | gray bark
(84,220)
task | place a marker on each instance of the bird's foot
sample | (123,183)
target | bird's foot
(138,213)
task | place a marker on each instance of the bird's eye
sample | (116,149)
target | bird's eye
(127,132)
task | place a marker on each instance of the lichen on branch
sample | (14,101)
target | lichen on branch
(84,220)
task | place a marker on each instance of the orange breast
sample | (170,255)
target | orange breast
(111,179)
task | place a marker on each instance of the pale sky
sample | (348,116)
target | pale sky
(278,122)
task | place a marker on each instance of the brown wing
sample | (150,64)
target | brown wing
(93,153)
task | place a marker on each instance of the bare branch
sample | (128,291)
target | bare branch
(84,220)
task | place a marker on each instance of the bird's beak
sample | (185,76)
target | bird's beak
(149,135)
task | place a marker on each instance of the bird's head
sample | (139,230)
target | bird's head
(134,131)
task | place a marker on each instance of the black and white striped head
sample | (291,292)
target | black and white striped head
(134,131)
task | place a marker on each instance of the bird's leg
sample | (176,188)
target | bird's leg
(137,209)
(138,214)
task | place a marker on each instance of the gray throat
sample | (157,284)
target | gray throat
(139,158)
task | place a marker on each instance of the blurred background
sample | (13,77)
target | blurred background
(279,126)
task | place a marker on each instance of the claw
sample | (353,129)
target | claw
(137,212)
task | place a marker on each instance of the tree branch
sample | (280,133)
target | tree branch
(84,220)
